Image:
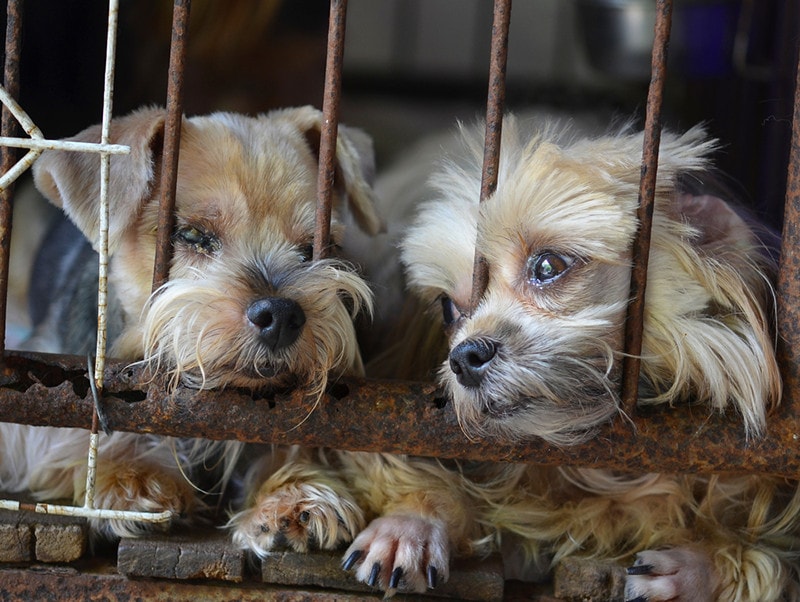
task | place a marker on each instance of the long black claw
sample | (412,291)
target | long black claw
(640,569)
(638,599)
(432,576)
(394,580)
(373,575)
(351,560)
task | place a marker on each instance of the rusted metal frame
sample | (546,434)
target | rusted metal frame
(330,127)
(634,324)
(495,105)
(8,156)
(172,141)
(39,389)
(788,287)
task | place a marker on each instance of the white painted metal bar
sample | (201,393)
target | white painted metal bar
(37,144)
(20,115)
(19,168)
(102,247)
(65,145)
(82,512)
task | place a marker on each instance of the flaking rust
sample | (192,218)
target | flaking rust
(389,416)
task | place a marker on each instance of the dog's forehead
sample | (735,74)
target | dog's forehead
(551,200)
(246,172)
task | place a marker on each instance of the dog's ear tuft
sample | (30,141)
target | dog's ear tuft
(71,180)
(355,164)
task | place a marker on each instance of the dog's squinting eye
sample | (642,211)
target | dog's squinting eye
(450,313)
(199,241)
(546,267)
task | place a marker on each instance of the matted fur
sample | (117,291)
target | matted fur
(555,354)
(245,217)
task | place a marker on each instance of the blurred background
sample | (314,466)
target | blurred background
(413,66)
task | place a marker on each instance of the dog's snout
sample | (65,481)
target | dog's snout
(470,359)
(279,320)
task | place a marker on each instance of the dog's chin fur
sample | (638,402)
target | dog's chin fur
(194,330)
(706,333)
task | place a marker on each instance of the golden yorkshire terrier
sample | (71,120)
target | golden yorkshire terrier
(244,307)
(539,355)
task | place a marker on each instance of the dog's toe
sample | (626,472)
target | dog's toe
(673,574)
(401,552)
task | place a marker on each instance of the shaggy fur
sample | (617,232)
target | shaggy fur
(244,307)
(540,354)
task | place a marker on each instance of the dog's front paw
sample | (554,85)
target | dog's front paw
(143,488)
(679,574)
(401,552)
(300,516)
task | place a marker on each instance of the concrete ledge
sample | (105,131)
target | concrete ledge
(199,554)
(470,579)
(589,581)
(27,536)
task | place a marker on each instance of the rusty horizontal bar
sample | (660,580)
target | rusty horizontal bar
(389,416)
(99,580)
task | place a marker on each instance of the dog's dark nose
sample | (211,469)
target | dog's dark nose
(470,359)
(280,321)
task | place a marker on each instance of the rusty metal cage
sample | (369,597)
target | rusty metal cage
(41,389)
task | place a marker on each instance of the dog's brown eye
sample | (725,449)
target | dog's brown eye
(450,313)
(306,252)
(199,241)
(546,267)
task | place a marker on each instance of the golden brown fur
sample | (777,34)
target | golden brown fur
(244,307)
(539,355)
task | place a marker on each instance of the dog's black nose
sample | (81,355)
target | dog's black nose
(280,321)
(470,359)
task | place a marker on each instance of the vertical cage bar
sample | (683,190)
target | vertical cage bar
(788,282)
(330,126)
(172,141)
(647,187)
(495,105)
(102,284)
(8,155)
(105,172)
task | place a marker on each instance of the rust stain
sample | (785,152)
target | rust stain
(388,416)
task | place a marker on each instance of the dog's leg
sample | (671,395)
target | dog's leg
(298,503)
(133,473)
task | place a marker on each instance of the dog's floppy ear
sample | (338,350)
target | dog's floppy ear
(716,221)
(71,180)
(355,164)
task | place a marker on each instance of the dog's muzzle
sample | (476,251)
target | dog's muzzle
(279,321)
(470,360)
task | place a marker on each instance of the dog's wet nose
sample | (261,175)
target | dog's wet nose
(470,359)
(280,320)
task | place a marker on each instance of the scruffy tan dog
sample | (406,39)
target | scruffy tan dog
(244,306)
(539,355)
